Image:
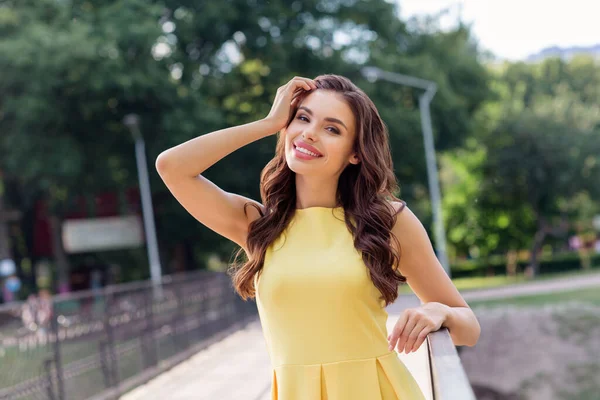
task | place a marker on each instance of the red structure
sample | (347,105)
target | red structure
(104,205)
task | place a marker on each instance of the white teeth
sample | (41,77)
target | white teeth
(303,150)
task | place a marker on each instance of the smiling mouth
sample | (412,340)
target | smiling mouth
(311,154)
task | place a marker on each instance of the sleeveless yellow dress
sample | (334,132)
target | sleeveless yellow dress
(323,322)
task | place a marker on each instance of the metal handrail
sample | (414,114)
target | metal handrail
(445,378)
(100,343)
(448,377)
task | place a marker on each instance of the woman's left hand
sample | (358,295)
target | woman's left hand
(415,324)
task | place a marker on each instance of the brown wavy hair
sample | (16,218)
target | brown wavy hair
(364,191)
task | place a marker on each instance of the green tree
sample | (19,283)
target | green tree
(543,148)
(531,167)
(73,70)
(272,41)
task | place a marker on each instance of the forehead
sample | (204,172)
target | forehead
(326,103)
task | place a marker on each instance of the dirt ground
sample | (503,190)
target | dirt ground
(533,353)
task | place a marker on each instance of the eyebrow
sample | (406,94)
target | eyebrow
(309,111)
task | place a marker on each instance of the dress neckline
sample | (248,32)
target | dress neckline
(318,208)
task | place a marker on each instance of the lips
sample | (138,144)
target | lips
(308,147)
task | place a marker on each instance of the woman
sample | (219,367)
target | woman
(328,246)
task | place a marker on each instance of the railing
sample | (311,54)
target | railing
(99,344)
(436,365)
(449,380)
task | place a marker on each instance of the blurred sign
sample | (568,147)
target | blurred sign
(112,233)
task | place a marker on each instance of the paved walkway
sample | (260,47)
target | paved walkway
(234,368)
(532,288)
(238,367)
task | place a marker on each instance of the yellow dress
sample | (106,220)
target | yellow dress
(324,326)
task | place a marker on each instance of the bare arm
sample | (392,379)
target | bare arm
(195,156)
(443,304)
(181,167)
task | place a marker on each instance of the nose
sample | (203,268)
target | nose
(309,133)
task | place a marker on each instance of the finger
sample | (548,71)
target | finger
(297,95)
(396,331)
(404,325)
(311,83)
(421,338)
(297,87)
(413,336)
(404,337)
(299,91)
(294,104)
(302,79)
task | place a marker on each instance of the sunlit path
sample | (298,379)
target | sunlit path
(238,367)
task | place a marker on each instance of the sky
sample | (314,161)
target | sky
(514,29)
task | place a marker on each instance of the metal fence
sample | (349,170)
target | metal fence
(99,344)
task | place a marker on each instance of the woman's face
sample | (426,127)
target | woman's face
(325,124)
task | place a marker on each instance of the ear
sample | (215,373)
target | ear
(354,159)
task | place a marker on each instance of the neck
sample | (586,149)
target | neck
(312,192)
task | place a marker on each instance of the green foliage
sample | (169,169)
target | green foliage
(533,163)
(449,59)
(477,224)
(496,265)
(73,70)
(274,42)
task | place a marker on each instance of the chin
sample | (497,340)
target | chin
(298,167)
(293,165)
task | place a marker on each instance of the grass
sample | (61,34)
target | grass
(481,282)
(589,296)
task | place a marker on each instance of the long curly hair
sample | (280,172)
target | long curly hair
(364,191)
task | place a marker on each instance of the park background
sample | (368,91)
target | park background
(517,138)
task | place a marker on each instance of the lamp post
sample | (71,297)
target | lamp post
(429,87)
(132,122)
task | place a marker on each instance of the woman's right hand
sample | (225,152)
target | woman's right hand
(285,100)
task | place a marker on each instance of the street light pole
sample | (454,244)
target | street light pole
(430,88)
(132,122)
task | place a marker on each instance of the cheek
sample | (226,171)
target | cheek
(289,140)
(292,129)
(338,150)
(293,123)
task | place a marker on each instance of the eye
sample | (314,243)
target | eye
(302,118)
(334,130)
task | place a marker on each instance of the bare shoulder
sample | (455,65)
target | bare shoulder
(419,263)
(398,206)
(407,223)
(408,229)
